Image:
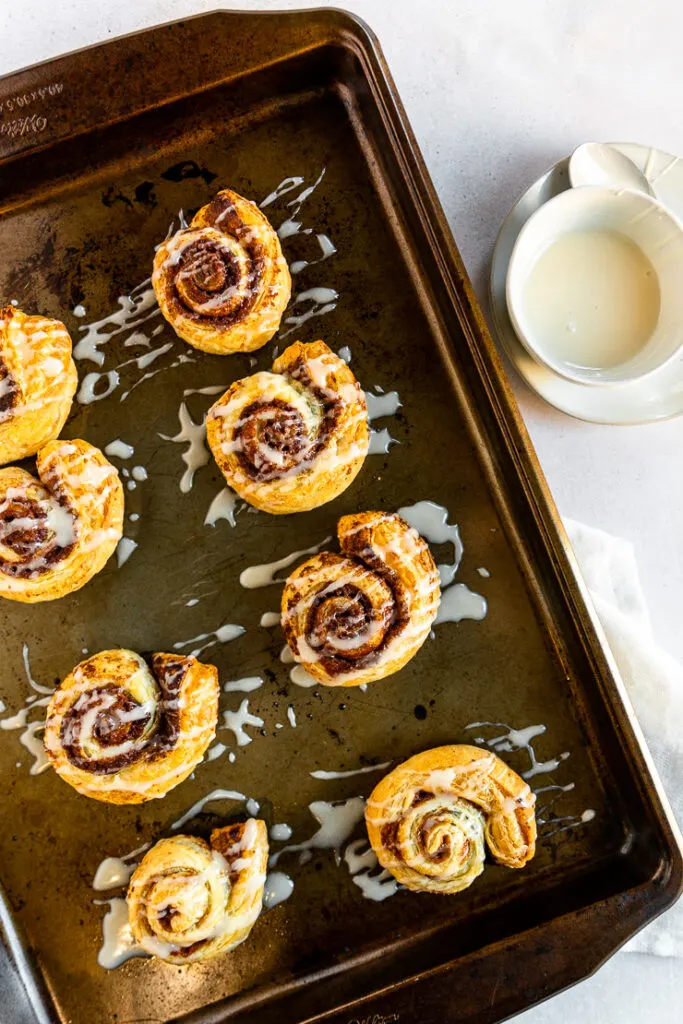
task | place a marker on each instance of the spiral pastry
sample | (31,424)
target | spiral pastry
(223,283)
(295,438)
(430,820)
(360,616)
(123,733)
(57,532)
(38,380)
(190,900)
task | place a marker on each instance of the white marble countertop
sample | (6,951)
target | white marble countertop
(496,92)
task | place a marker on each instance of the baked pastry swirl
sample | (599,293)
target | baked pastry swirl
(294,438)
(58,531)
(38,380)
(430,820)
(122,732)
(361,615)
(190,900)
(223,283)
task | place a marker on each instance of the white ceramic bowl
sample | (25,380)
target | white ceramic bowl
(640,218)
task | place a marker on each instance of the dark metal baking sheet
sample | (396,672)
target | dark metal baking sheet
(96,160)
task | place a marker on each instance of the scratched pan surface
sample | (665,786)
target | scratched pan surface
(94,171)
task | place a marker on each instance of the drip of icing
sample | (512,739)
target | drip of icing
(252,807)
(280,832)
(374,882)
(87,393)
(431,522)
(300,677)
(269,619)
(112,873)
(223,635)
(291,715)
(79,311)
(246,685)
(27,668)
(322,301)
(215,794)
(264,575)
(320,774)
(215,751)
(459,602)
(35,746)
(380,442)
(134,310)
(286,656)
(278,888)
(483,572)
(344,354)
(118,944)
(124,549)
(139,473)
(119,449)
(565,823)
(192,602)
(327,249)
(237,720)
(222,507)
(386,404)
(286,185)
(519,739)
(336,820)
(194,435)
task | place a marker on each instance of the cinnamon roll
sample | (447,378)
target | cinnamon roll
(38,381)
(223,283)
(58,531)
(191,900)
(430,820)
(294,438)
(123,732)
(361,615)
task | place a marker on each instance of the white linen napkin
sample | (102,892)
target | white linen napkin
(653,679)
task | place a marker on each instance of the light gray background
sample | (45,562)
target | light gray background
(496,91)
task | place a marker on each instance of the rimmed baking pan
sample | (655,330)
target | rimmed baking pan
(102,152)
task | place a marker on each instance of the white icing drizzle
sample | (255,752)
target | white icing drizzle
(300,677)
(252,806)
(336,820)
(223,635)
(281,832)
(194,436)
(134,309)
(270,619)
(385,404)
(321,774)
(29,737)
(79,311)
(458,602)
(278,888)
(518,739)
(238,720)
(286,185)
(483,572)
(344,354)
(327,249)
(264,575)
(380,442)
(291,715)
(214,795)
(139,473)
(215,751)
(222,507)
(563,824)
(124,549)
(246,685)
(118,944)
(322,301)
(119,449)
(34,745)
(38,687)
(375,882)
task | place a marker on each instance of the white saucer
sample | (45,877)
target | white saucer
(660,395)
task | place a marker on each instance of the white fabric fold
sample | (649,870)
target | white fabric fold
(652,677)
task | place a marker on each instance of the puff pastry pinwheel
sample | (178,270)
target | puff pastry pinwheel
(294,438)
(361,615)
(190,900)
(57,532)
(122,732)
(223,283)
(430,819)
(38,381)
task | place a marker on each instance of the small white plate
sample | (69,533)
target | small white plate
(658,396)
